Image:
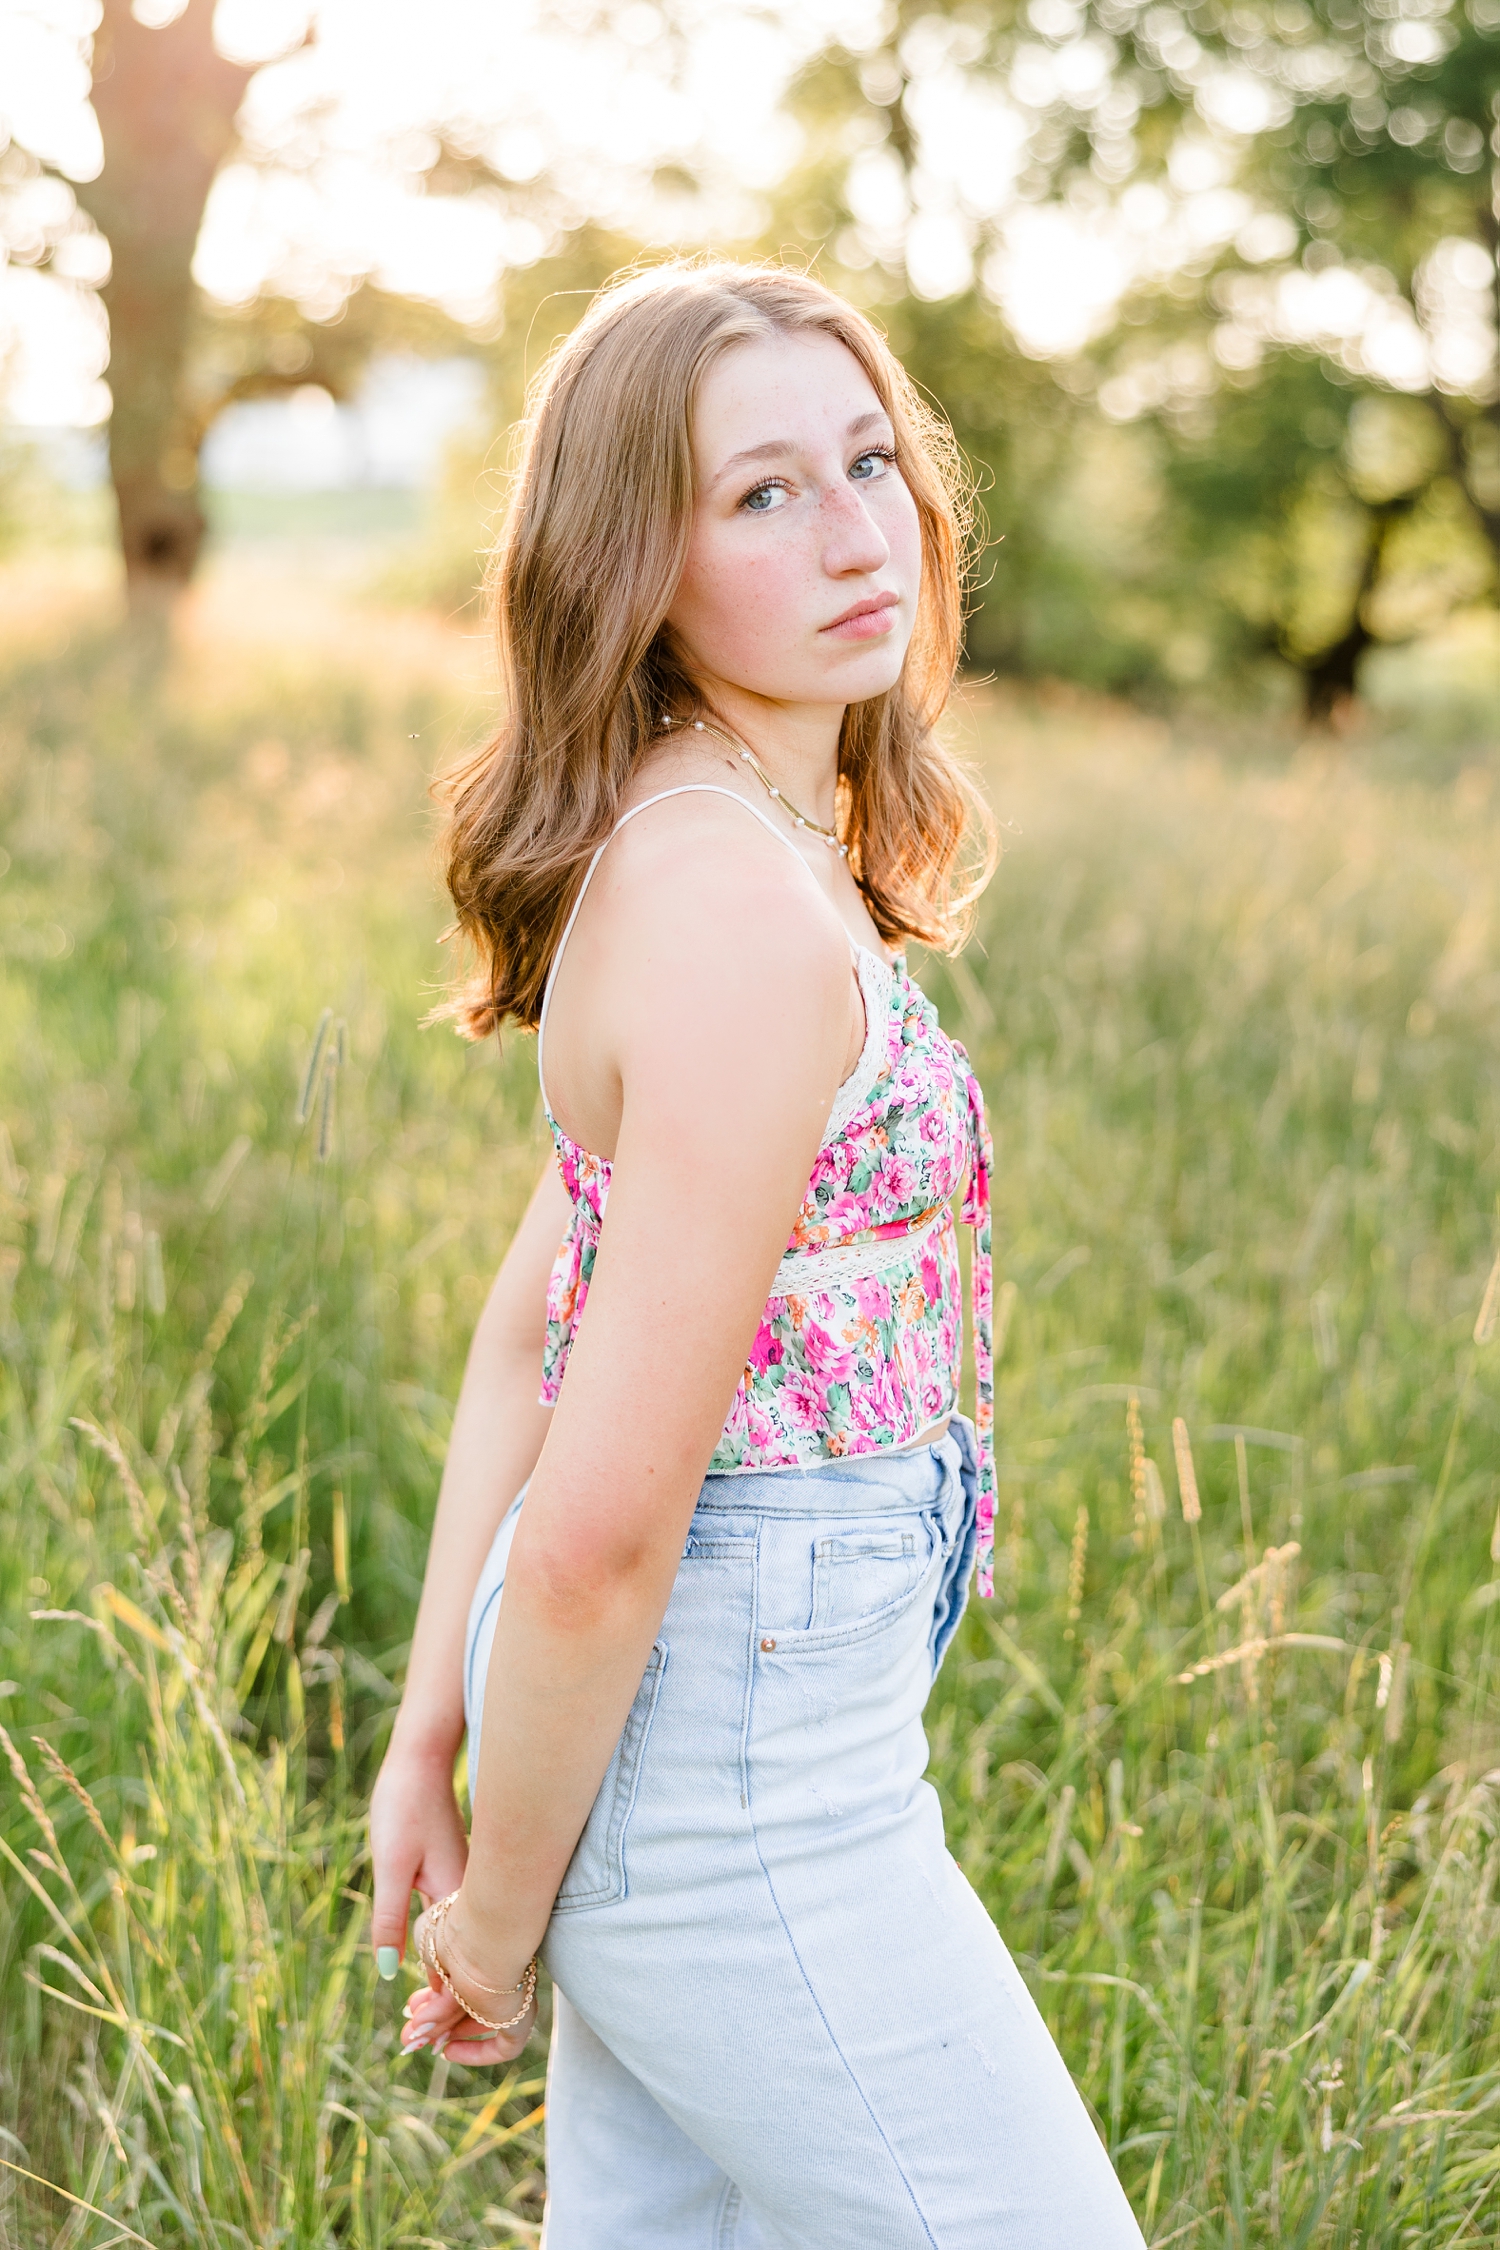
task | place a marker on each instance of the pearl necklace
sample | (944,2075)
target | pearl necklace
(802,820)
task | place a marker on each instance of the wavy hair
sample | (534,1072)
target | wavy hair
(582,578)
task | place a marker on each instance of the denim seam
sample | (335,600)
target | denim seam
(626,1789)
(727,2217)
(811,1991)
(748,1699)
(474,1639)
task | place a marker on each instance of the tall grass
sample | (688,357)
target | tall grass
(1222,1757)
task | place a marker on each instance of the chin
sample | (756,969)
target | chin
(875,674)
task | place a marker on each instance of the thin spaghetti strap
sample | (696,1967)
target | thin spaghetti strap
(541,1022)
(684,789)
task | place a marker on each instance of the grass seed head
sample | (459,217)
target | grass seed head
(1395,1709)
(1077,1566)
(1187,1476)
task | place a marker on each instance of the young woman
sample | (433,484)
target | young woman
(728,613)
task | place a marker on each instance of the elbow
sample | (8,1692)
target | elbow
(577,1584)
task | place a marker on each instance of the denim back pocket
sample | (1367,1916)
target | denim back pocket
(856,1575)
(596,1872)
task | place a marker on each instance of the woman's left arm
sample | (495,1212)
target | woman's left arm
(705,1187)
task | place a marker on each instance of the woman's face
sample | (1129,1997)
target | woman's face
(805,558)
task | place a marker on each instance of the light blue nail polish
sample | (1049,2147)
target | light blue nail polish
(388,1961)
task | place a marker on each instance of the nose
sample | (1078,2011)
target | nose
(853,543)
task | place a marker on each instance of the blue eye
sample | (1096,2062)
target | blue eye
(759,501)
(878,453)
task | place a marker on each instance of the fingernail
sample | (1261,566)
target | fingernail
(410,2046)
(388,1961)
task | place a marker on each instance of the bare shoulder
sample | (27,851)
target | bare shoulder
(699,878)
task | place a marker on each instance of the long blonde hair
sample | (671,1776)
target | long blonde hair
(584,574)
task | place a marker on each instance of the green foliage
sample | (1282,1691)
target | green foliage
(1236,1028)
(1237,1023)
(1242,515)
(260,1312)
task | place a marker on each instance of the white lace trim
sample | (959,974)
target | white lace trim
(876,978)
(808,1273)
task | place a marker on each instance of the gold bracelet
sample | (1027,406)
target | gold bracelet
(437,1914)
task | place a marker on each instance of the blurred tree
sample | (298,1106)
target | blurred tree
(1357,297)
(1308,193)
(166,102)
(1059,582)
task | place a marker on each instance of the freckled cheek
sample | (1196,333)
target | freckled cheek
(903,532)
(752,601)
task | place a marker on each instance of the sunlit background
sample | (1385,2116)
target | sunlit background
(1207,290)
(1208,294)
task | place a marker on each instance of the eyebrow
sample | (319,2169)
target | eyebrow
(776,449)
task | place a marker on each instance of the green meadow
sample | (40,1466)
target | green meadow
(1223,1756)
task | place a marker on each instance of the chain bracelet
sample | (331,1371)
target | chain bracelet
(437,1914)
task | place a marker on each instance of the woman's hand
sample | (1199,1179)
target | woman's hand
(484,1970)
(417,1843)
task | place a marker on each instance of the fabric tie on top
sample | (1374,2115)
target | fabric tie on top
(859,1348)
(976,1214)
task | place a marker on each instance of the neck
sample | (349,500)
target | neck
(797,743)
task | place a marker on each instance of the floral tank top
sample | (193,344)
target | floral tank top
(860,1346)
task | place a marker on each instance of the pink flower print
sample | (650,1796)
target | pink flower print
(864,1415)
(811,1230)
(873,1297)
(831,1167)
(802,1401)
(837,1162)
(762,1434)
(933,1402)
(736,1420)
(826,1355)
(934,1125)
(848,1214)
(879,1404)
(932,1280)
(749,1420)
(766,1351)
(898,1177)
(917,1348)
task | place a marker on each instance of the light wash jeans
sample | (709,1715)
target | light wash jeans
(783,2019)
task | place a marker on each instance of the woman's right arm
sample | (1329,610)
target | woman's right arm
(417,1838)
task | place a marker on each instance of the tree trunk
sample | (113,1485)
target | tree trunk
(166,103)
(1330,678)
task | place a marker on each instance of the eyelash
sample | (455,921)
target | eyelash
(778,484)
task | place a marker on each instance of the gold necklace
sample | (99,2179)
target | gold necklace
(802,820)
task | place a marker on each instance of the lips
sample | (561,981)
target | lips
(866,620)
